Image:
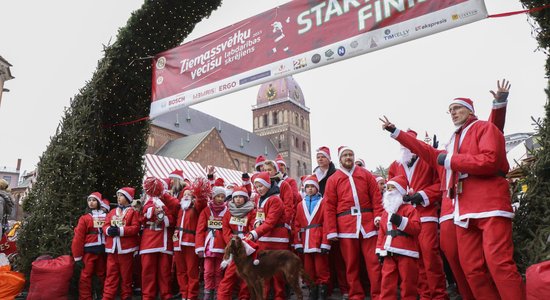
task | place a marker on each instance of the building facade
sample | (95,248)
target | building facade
(5,75)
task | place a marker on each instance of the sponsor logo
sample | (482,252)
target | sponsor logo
(204,93)
(160,80)
(316,58)
(281,70)
(329,53)
(389,35)
(354,44)
(373,43)
(161,63)
(227,86)
(430,25)
(176,101)
(464,15)
(341,50)
(255,77)
(299,63)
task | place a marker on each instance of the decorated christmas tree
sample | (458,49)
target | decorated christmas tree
(100,142)
(532,221)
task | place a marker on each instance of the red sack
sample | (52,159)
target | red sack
(538,281)
(50,278)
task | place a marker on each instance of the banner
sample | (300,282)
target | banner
(295,37)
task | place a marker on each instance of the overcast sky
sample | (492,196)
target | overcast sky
(54,48)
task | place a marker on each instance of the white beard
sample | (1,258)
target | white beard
(185,203)
(406,156)
(392,201)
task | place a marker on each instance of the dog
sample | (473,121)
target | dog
(270,263)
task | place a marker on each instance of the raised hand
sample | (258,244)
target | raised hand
(503,89)
(387,125)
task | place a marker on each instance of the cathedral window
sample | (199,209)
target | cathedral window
(275,118)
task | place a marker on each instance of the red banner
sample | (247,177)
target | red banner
(297,36)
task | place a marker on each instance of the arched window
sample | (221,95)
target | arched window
(305,169)
(302,122)
(296,119)
(297,143)
(265,120)
(304,146)
(299,169)
(275,118)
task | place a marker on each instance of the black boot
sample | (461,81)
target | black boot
(323,290)
(313,292)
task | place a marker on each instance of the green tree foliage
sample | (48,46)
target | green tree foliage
(532,221)
(87,153)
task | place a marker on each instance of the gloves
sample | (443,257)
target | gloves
(325,251)
(441,159)
(390,128)
(414,199)
(113,231)
(245,176)
(501,97)
(79,264)
(200,254)
(396,219)
(300,250)
(435,142)
(380,259)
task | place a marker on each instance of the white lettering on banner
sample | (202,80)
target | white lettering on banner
(227,86)
(388,7)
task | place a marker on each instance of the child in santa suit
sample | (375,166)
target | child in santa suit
(88,244)
(397,242)
(209,241)
(310,238)
(237,222)
(156,249)
(122,240)
(269,225)
(187,262)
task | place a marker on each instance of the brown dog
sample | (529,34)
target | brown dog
(271,262)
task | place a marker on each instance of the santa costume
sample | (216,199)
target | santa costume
(397,243)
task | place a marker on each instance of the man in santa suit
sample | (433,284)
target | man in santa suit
(472,170)
(424,181)
(381,184)
(177,183)
(397,244)
(325,168)
(156,249)
(291,181)
(353,201)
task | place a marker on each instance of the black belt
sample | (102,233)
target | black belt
(310,226)
(185,230)
(280,225)
(351,211)
(93,231)
(238,232)
(395,233)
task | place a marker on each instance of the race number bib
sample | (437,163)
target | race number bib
(260,216)
(117,222)
(238,221)
(99,222)
(214,224)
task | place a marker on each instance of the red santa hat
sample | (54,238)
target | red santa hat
(219,182)
(263,178)
(311,179)
(251,248)
(380,178)
(177,174)
(240,191)
(259,161)
(216,190)
(466,102)
(128,192)
(95,195)
(273,163)
(400,183)
(360,162)
(325,151)
(280,160)
(106,204)
(341,150)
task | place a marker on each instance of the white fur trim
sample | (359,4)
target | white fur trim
(425,198)
(497,105)
(265,183)
(312,182)
(401,189)
(405,252)
(254,234)
(342,151)
(325,154)
(78,258)
(428,219)
(332,235)
(176,177)
(463,103)
(95,197)
(395,134)
(121,231)
(125,193)
(404,222)
(273,239)
(445,218)
(240,193)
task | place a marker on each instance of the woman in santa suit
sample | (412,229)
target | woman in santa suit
(122,241)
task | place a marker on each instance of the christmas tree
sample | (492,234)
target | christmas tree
(532,220)
(100,142)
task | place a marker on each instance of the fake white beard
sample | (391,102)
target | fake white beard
(392,201)
(185,203)
(406,156)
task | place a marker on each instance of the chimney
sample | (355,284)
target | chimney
(18,164)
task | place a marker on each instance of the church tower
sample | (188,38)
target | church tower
(280,113)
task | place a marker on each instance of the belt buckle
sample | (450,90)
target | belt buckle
(355,211)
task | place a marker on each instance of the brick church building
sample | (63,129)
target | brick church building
(280,125)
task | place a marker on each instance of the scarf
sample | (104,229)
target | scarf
(242,210)
(216,208)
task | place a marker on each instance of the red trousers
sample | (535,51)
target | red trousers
(225,289)
(351,250)
(187,271)
(278,280)
(213,274)
(487,245)
(93,264)
(337,271)
(402,268)
(316,266)
(449,246)
(155,272)
(431,278)
(118,266)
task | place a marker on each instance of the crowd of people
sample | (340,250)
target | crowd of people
(344,223)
